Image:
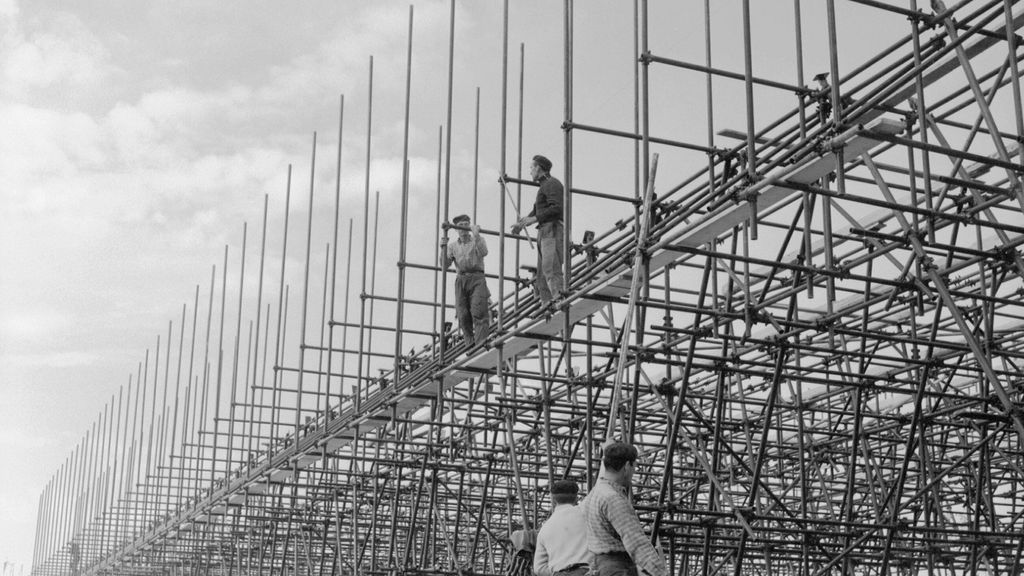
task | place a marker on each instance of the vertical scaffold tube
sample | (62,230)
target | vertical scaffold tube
(748,85)
(519,158)
(275,402)
(357,391)
(447,173)
(305,298)
(502,168)
(334,263)
(1012,44)
(837,103)
(234,370)
(567,191)
(709,99)
(403,223)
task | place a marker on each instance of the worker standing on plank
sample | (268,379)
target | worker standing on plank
(471,293)
(548,214)
(614,534)
(562,540)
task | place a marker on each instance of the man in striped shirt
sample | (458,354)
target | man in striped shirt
(614,534)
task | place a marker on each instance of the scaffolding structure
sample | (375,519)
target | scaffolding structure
(814,338)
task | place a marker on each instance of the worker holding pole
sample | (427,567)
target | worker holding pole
(562,540)
(614,534)
(548,214)
(471,293)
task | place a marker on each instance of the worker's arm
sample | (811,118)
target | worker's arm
(446,256)
(478,240)
(523,223)
(527,220)
(540,560)
(627,525)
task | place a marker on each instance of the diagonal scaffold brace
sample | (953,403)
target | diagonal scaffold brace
(634,294)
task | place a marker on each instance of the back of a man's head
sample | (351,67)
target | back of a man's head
(564,491)
(617,454)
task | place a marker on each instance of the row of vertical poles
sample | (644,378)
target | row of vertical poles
(139,500)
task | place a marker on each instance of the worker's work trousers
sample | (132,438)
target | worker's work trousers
(549,260)
(613,565)
(471,296)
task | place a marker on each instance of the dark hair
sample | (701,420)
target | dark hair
(563,498)
(564,491)
(565,487)
(616,456)
(542,162)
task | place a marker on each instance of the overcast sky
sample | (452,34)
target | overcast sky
(137,137)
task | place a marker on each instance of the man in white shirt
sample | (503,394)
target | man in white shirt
(562,540)
(471,293)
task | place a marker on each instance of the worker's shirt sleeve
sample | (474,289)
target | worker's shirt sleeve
(481,246)
(446,256)
(623,518)
(549,203)
(540,560)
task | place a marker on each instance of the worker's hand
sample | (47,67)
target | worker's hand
(475,229)
(517,227)
(444,241)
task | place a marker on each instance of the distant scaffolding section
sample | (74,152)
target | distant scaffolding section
(811,326)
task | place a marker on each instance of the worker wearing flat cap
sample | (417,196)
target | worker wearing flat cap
(614,533)
(548,214)
(562,540)
(471,293)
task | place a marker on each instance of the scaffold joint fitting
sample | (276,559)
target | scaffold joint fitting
(666,388)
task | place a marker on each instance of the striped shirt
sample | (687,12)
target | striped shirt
(613,526)
(520,564)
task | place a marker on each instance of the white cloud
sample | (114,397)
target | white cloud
(64,54)
(43,141)
(8,9)
(50,361)
(31,325)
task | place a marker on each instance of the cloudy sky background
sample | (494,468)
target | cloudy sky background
(136,138)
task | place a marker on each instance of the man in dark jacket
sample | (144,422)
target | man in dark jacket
(547,213)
